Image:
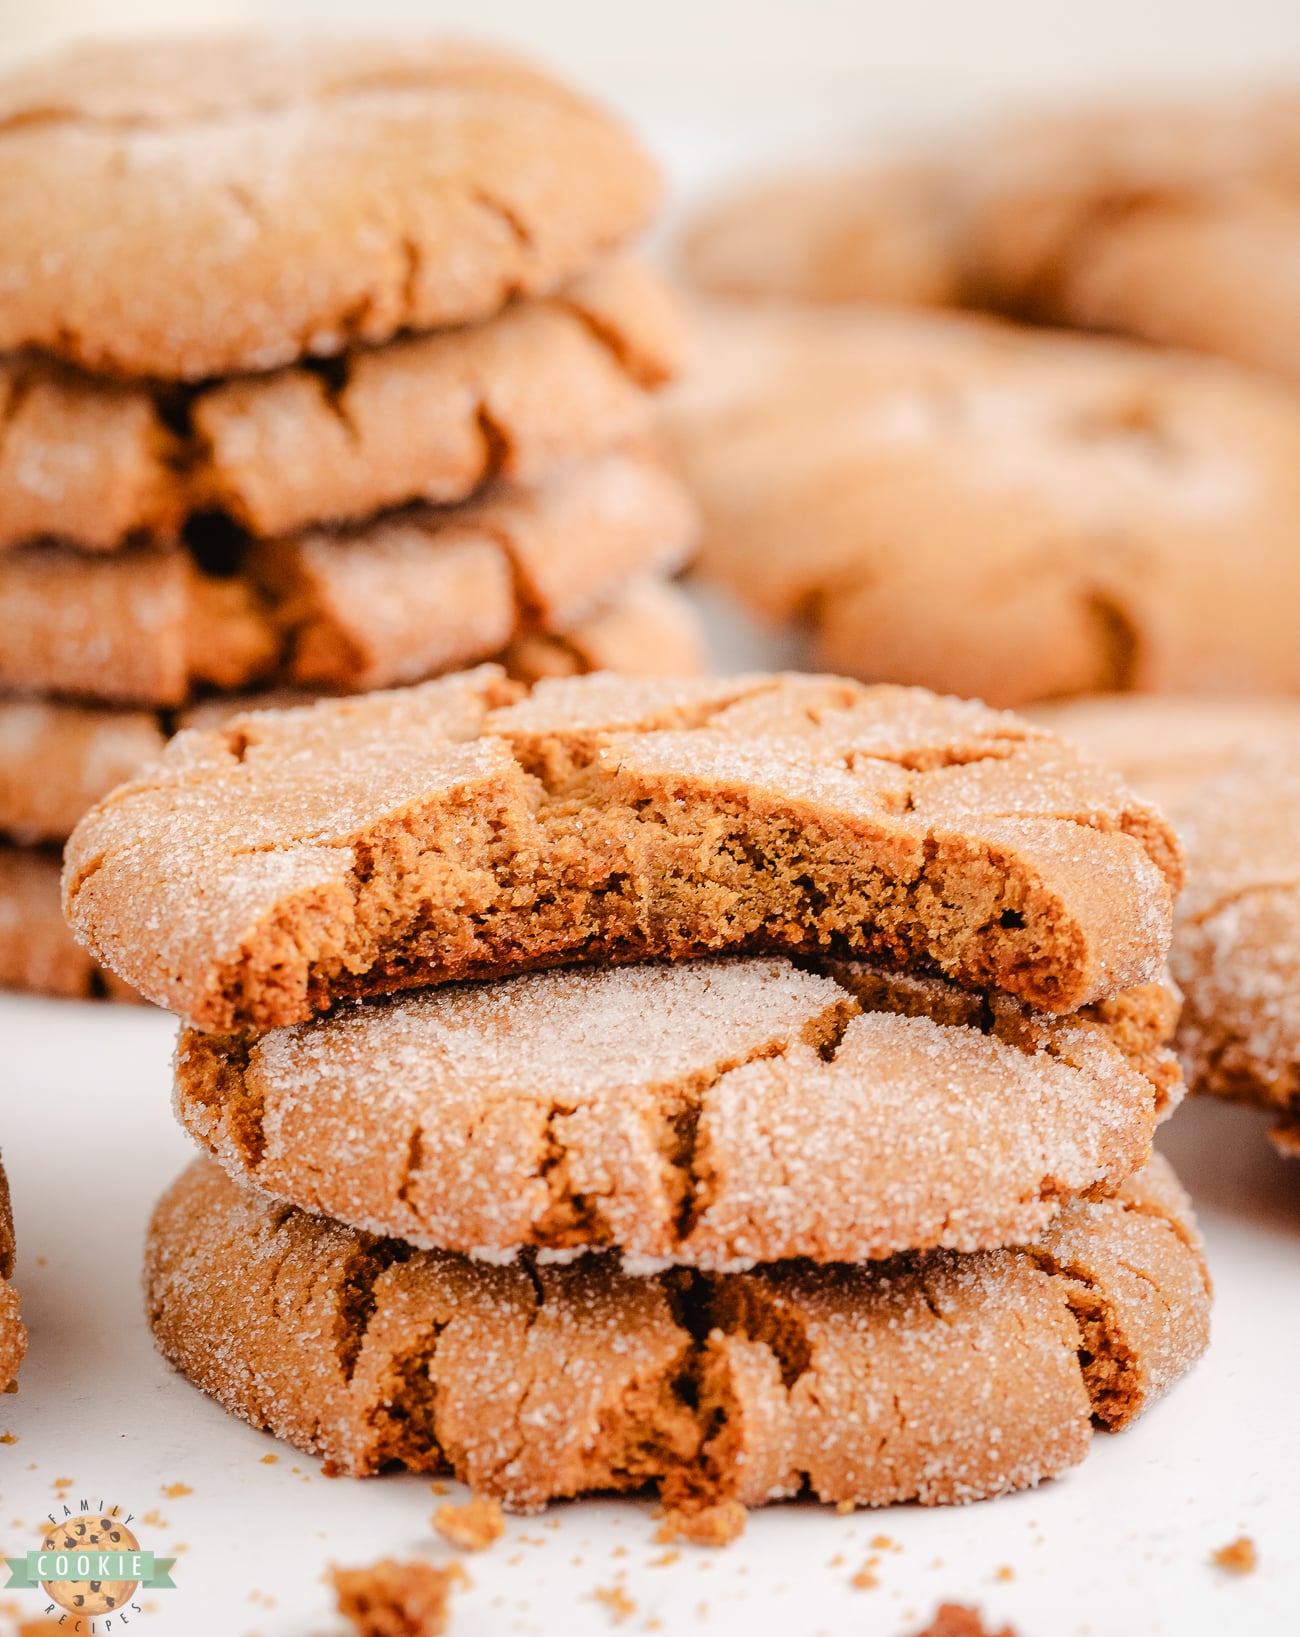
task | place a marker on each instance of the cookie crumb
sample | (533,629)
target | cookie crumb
(716,1525)
(620,1605)
(269,1460)
(883,1543)
(1238,1556)
(866,1578)
(1006,1572)
(173,1492)
(391,1599)
(957,1620)
(8,1437)
(665,1560)
(473,1526)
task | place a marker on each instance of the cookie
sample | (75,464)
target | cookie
(364,846)
(91,462)
(58,760)
(409,594)
(649,629)
(870,233)
(197,206)
(1237,949)
(711,1114)
(995,512)
(13,1334)
(936,1378)
(429,417)
(37,952)
(1166,745)
(1176,222)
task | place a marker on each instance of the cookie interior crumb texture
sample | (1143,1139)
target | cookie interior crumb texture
(936,1378)
(712,1113)
(261,872)
(391,1599)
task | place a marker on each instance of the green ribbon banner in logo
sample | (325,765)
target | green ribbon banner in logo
(77,1568)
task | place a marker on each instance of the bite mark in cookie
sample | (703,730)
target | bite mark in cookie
(360,847)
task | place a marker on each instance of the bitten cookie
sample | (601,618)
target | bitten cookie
(37,951)
(428,417)
(711,1114)
(995,512)
(936,1378)
(194,206)
(1165,745)
(404,596)
(13,1333)
(57,760)
(262,872)
(1237,946)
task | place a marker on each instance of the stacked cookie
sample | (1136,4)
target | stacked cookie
(321,367)
(795,1129)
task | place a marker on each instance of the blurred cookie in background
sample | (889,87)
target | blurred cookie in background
(1174,220)
(995,512)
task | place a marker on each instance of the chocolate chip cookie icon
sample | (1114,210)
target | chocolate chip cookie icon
(90,1532)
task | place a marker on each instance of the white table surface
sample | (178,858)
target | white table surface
(1119,1547)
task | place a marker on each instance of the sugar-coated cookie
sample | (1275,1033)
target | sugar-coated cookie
(430,417)
(995,512)
(937,1378)
(709,1113)
(56,760)
(1236,951)
(194,206)
(404,596)
(37,951)
(263,871)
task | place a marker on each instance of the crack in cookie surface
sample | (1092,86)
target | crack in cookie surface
(714,1113)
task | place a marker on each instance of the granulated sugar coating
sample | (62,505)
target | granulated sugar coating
(935,1378)
(187,208)
(714,1113)
(1237,946)
(262,872)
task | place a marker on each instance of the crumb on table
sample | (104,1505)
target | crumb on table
(391,1599)
(1239,1556)
(620,1605)
(957,1620)
(473,1526)
(716,1525)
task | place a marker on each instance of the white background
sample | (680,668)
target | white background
(1121,1545)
